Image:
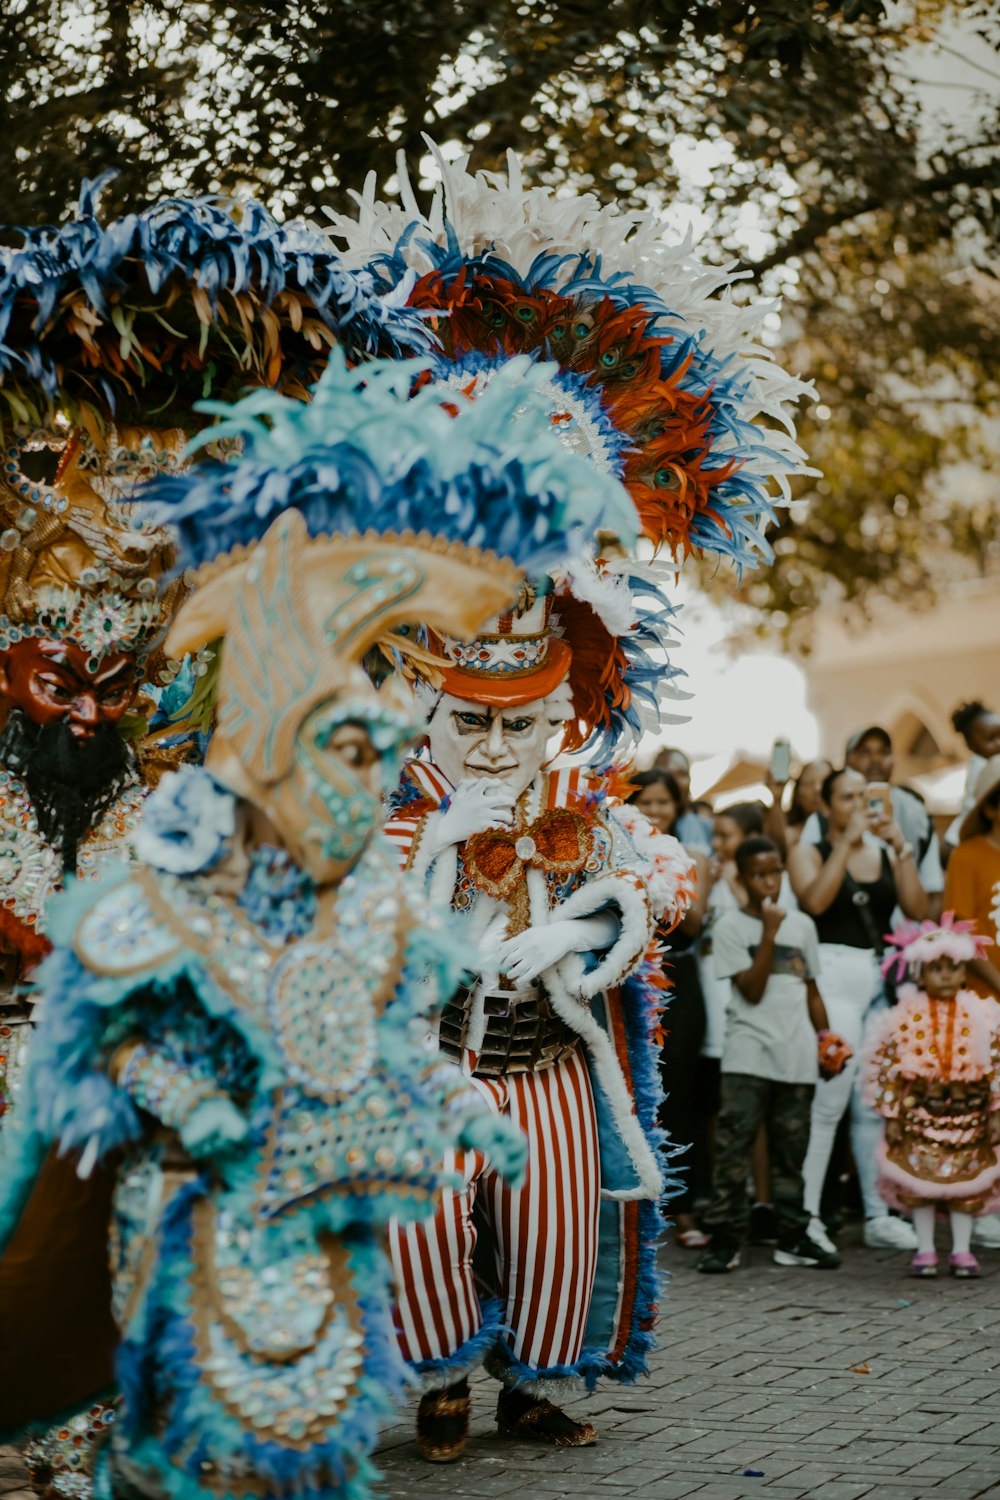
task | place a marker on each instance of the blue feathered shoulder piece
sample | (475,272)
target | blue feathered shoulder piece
(377,449)
(145,314)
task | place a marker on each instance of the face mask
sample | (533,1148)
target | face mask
(326,809)
(479,741)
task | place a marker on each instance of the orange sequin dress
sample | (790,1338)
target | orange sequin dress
(933,1073)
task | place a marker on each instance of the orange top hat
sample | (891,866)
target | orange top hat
(514,659)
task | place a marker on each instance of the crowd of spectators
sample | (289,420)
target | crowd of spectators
(781,957)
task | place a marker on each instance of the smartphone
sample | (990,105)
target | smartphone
(781,761)
(878,799)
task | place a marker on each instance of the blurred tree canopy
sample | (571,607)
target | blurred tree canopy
(802,138)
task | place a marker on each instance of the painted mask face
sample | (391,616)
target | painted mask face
(478,740)
(49,681)
(346,753)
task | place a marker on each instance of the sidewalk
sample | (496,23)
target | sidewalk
(826,1385)
(829,1385)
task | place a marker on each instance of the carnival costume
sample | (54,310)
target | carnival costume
(660,384)
(83,603)
(110,333)
(933,1071)
(243,1016)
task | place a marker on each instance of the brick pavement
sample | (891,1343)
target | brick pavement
(829,1386)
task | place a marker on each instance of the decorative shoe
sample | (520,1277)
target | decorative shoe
(520,1416)
(720,1258)
(924,1264)
(443,1423)
(963,1263)
(61,1462)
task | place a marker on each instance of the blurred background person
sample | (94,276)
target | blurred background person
(805,801)
(659,796)
(973,883)
(726,893)
(850,883)
(693,830)
(869,751)
(971,891)
(979,727)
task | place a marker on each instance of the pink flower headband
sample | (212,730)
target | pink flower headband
(921,942)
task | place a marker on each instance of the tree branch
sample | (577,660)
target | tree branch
(820,223)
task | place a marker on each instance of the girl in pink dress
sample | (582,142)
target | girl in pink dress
(933,1073)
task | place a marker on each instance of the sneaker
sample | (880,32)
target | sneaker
(963,1263)
(719,1259)
(887,1233)
(818,1234)
(806,1252)
(986,1231)
(924,1263)
(763,1225)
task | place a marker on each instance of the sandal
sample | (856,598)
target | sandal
(520,1416)
(443,1423)
(692,1239)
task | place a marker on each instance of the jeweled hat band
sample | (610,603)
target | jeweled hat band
(510,645)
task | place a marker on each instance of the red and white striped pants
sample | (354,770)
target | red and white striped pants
(544,1233)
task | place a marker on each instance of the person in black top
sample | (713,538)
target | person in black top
(850,885)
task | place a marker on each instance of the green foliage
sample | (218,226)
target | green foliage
(813,129)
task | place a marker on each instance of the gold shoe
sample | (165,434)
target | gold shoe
(539,1421)
(443,1424)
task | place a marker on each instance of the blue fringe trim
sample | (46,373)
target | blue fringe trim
(161,1378)
(468,1356)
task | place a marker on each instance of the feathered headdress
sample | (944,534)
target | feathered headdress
(918,943)
(76,566)
(392,510)
(657,378)
(661,378)
(139,318)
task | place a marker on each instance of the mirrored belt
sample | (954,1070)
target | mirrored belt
(522,1034)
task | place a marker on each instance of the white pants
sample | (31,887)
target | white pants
(851,986)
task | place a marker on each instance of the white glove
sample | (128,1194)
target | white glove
(536,949)
(476,804)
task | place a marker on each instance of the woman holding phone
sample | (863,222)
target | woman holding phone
(850,883)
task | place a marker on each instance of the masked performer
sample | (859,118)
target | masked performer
(100,325)
(243,1017)
(82,607)
(659,383)
(104,324)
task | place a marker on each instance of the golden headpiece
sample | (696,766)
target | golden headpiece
(77,561)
